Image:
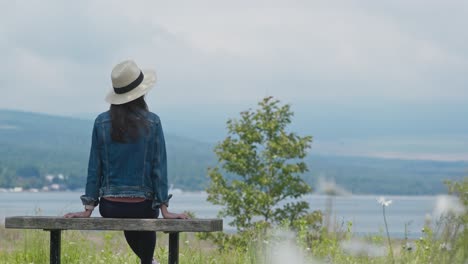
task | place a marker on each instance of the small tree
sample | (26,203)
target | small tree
(260,164)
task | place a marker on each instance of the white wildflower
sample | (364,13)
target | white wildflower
(445,246)
(381,200)
(447,205)
(329,187)
(428,220)
(408,246)
(285,250)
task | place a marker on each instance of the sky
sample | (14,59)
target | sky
(338,63)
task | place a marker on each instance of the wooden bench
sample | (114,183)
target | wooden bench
(56,224)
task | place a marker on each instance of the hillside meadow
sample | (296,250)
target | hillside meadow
(32,246)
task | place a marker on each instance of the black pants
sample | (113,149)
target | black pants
(141,242)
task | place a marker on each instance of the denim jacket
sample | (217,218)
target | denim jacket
(136,169)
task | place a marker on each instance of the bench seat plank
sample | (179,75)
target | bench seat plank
(99,223)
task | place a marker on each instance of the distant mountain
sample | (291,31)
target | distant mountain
(60,145)
(36,148)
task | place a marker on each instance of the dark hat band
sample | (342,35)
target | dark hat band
(131,86)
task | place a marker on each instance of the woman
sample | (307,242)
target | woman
(127,171)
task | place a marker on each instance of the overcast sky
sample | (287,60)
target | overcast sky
(57,55)
(391,73)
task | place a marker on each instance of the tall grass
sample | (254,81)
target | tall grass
(32,246)
(444,241)
(280,245)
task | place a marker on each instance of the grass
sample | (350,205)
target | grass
(442,242)
(32,246)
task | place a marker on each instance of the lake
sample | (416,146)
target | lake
(362,210)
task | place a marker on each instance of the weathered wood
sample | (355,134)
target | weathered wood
(55,240)
(98,223)
(173,248)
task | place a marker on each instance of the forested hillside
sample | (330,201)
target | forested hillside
(39,150)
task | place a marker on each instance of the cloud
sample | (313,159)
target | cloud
(221,52)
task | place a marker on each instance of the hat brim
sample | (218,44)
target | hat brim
(148,82)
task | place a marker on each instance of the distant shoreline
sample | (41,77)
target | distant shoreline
(194,192)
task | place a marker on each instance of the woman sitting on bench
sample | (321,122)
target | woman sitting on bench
(127,170)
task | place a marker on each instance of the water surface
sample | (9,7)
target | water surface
(362,210)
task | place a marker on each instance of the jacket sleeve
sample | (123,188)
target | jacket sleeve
(93,181)
(159,173)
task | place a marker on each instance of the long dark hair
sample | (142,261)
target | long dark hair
(129,120)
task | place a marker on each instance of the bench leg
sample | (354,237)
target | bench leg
(174,248)
(55,240)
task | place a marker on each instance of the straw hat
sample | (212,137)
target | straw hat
(129,82)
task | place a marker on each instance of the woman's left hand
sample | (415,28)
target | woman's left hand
(84,214)
(169,215)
